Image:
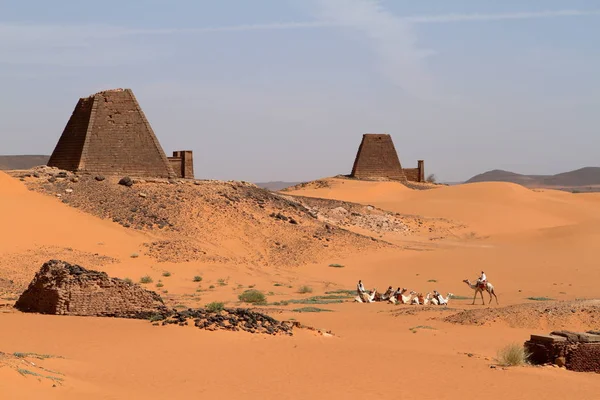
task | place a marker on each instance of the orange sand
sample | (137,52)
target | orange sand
(530,243)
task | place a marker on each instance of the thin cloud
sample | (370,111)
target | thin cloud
(428,19)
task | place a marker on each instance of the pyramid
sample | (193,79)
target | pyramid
(108,133)
(377,158)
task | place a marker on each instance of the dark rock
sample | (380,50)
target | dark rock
(126,181)
(99,178)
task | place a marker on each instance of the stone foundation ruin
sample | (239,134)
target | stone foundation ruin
(109,134)
(64,289)
(377,159)
(576,351)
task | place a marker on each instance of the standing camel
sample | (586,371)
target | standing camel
(480,288)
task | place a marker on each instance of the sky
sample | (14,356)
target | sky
(267,90)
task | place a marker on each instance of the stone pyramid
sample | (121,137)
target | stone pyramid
(377,158)
(108,133)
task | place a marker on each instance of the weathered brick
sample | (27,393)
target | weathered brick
(108,133)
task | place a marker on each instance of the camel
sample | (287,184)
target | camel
(418,299)
(427,299)
(398,296)
(480,288)
(438,299)
(366,297)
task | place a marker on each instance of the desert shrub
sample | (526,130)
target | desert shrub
(432,280)
(211,287)
(253,296)
(305,289)
(134,255)
(156,317)
(512,355)
(159,285)
(197,278)
(128,280)
(166,274)
(221,282)
(277,284)
(431,178)
(542,298)
(336,265)
(311,309)
(146,279)
(214,307)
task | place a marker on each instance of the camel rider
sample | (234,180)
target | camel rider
(360,288)
(439,298)
(387,294)
(482,281)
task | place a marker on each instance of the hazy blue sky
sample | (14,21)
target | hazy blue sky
(283,89)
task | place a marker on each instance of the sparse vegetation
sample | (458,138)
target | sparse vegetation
(331,299)
(166,274)
(336,265)
(542,298)
(253,296)
(211,287)
(146,279)
(183,306)
(311,309)
(134,255)
(431,178)
(215,307)
(278,284)
(432,280)
(305,289)
(512,355)
(415,328)
(197,278)
(128,280)
(25,372)
(221,282)
(159,285)
(455,297)
(271,294)
(34,355)
(345,293)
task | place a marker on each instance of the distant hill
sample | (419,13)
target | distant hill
(588,176)
(276,185)
(22,162)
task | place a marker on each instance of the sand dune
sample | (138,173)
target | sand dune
(531,244)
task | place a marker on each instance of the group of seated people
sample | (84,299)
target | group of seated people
(398,296)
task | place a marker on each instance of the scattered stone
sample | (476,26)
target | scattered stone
(143,195)
(126,181)
(69,190)
(74,179)
(99,178)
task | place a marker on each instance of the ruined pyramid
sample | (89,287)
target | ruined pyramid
(377,158)
(108,133)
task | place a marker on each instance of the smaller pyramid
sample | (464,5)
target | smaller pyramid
(377,158)
(108,133)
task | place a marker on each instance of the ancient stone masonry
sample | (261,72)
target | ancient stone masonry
(575,351)
(108,133)
(416,174)
(65,289)
(182,163)
(377,158)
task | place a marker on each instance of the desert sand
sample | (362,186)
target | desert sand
(530,243)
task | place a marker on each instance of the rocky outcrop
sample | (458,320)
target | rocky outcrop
(64,289)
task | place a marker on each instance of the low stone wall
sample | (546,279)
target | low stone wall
(576,351)
(65,289)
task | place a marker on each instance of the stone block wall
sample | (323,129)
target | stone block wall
(182,163)
(576,351)
(377,158)
(416,174)
(65,289)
